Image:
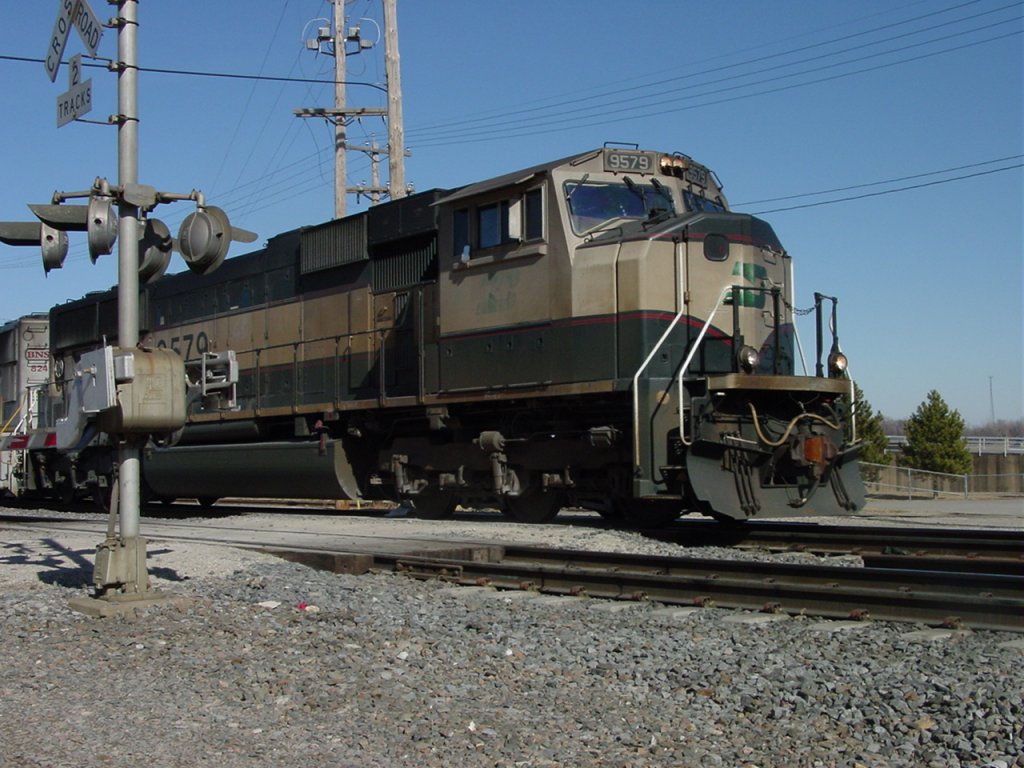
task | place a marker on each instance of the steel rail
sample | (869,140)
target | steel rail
(976,601)
(852,539)
(952,564)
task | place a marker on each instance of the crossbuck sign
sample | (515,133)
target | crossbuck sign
(77,14)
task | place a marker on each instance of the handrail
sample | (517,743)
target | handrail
(686,365)
(731,290)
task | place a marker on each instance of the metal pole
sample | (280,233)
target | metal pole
(396,131)
(128,245)
(819,344)
(340,139)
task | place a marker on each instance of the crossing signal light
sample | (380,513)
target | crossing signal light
(102,226)
(203,240)
(98,219)
(54,244)
(205,236)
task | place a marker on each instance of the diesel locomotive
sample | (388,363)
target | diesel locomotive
(601,331)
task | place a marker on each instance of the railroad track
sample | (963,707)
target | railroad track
(951,599)
(961,550)
(987,549)
(928,589)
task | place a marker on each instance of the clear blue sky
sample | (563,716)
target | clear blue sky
(782,99)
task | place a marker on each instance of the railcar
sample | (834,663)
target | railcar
(24,376)
(600,331)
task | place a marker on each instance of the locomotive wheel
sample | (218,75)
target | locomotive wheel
(207,502)
(532,506)
(434,505)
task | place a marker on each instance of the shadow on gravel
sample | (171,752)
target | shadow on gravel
(61,566)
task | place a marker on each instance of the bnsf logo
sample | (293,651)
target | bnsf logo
(38,360)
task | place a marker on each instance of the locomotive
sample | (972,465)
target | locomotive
(601,331)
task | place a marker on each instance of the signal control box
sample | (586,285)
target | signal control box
(150,392)
(125,391)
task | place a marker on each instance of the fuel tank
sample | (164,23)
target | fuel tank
(294,470)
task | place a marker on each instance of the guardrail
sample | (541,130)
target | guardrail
(976,445)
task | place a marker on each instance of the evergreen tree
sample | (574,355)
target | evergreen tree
(935,438)
(871,432)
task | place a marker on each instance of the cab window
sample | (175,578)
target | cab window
(499,223)
(534,223)
(492,224)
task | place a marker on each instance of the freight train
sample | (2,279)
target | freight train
(601,331)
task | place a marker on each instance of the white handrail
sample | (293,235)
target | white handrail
(693,352)
(686,365)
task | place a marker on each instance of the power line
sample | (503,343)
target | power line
(878,183)
(519,111)
(443,137)
(574,123)
(600,112)
(891,191)
(474,136)
(241,115)
(200,73)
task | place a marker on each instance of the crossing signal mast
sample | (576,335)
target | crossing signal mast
(128,392)
(341,43)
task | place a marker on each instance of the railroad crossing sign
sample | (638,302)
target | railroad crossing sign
(77,100)
(78,14)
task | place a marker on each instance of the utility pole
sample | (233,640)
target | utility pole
(342,114)
(396,131)
(340,144)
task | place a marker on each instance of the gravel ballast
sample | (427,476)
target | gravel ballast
(274,664)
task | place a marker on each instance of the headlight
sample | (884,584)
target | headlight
(672,165)
(748,359)
(837,364)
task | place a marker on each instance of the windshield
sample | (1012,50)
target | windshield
(591,203)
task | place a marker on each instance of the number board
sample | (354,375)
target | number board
(697,174)
(630,161)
